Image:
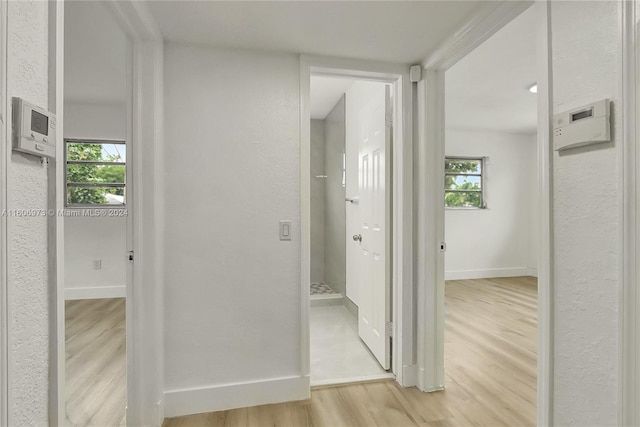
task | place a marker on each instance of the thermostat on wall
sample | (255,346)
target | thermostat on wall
(34,129)
(586,125)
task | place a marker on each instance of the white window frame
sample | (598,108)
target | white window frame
(483,164)
(68,162)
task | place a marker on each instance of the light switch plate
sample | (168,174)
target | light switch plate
(285,230)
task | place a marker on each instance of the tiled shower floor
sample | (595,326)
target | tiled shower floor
(321,289)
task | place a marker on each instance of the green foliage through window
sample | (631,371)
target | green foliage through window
(463,185)
(96,173)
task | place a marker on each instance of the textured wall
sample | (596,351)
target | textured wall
(587,220)
(317,202)
(232,293)
(494,241)
(335,232)
(27,57)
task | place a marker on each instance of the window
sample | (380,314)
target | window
(464,182)
(95,173)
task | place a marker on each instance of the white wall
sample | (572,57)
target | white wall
(500,241)
(233,291)
(91,238)
(534,208)
(27,263)
(98,121)
(317,202)
(88,239)
(95,62)
(335,234)
(587,220)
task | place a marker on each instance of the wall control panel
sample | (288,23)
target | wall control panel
(34,129)
(589,124)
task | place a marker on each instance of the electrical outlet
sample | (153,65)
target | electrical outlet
(97,264)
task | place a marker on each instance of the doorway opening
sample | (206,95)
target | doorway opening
(350,229)
(491,216)
(97,225)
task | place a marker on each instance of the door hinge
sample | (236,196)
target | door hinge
(388,120)
(130,256)
(389,329)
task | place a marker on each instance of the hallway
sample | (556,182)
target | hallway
(490,362)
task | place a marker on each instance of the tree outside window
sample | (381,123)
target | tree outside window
(463,185)
(96,173)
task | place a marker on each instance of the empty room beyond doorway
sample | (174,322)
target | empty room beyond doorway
(491,223)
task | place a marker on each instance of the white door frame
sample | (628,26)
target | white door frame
(144,322)
(4,129)
(403,365)
(430,212)
(629,339)
(55,224)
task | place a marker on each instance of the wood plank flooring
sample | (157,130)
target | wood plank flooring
(96,362)
(490,363)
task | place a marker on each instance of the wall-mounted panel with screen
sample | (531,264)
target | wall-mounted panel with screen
(34,129)
(582,126)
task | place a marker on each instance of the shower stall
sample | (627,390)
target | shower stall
(328,270)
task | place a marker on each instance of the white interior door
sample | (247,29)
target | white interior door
(374,308)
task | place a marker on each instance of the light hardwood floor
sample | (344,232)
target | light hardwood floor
(96,362)
(490,363)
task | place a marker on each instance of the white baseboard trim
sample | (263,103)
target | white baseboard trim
(421,382)
(351,380)
(490,272)
(160,412)
(409,375)
(95,292)
(230,396)
(351,307)
(325,300)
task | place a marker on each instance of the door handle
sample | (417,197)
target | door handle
(357,237)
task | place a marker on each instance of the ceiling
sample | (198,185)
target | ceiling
(325,94)
(394,31)
(95,54)
(488,89)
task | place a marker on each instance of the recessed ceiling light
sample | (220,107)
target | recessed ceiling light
(534,88)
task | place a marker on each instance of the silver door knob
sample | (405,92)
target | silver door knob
(357,237)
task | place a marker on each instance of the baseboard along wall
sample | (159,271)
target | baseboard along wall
(491,272)
(230,396)
(95,292)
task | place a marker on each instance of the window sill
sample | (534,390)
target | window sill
(451,208)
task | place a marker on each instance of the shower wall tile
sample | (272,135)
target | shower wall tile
(335,215)
(317,202)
